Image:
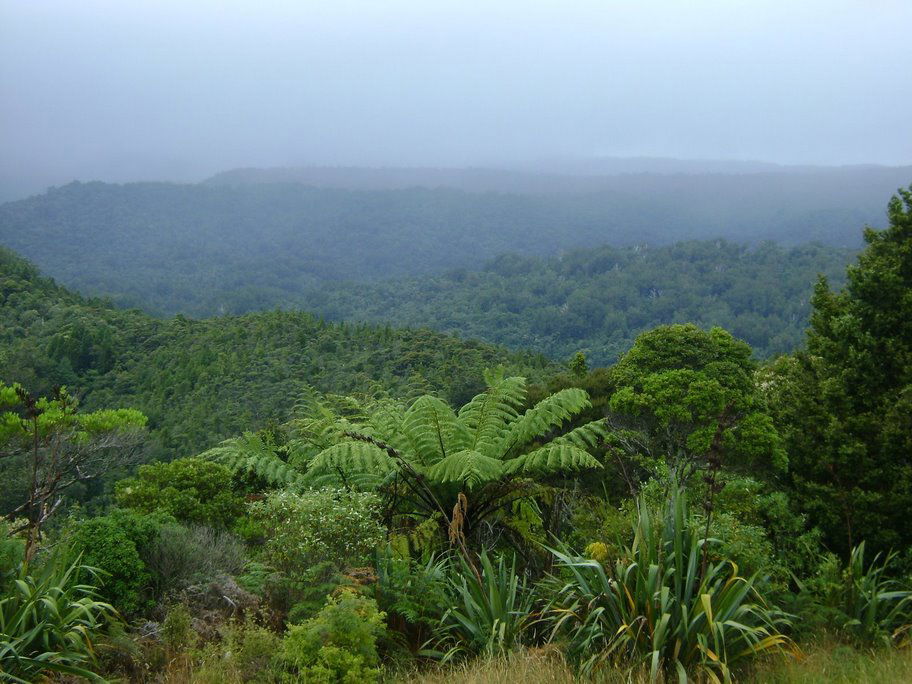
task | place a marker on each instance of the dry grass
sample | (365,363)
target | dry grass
(821,664)
(542,666)
(838,664)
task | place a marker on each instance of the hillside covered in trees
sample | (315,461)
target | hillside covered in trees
(598,300)
(201,381)
(242,246)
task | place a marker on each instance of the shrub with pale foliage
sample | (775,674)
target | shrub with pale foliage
(327,525)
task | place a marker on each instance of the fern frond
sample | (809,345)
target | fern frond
(552,459)
(433,430)
(488,414)
(250,454)
(351,459)
(547,415)
(361,481)
(468,466)
(386,418)
(586,436)
(309,403)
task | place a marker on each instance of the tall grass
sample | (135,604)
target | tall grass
(654,608)
(822,664)
(48,622)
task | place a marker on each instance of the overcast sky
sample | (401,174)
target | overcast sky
(132,89)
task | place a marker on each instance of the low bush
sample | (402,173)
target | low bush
(182,556)
(413,594)
(176,629)
(328,525)
(12,551)
(115,544)
(192,490)
(339,644)
(862,600)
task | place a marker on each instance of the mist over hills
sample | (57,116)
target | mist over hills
(264,235)
(635,176)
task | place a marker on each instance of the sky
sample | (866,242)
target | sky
(163,90)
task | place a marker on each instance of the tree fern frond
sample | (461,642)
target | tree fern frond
(351,459)
(487,415)
(250,454)
(309,403)
(468,466)
(547,415)
(586,436)
(554,458)
(386,419)
(360,481)
(433,430)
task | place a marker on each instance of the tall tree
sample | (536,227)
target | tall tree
(846,404)
(685,399)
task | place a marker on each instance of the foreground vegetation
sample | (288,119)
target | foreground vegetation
(685,514)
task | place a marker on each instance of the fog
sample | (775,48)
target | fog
(180,90)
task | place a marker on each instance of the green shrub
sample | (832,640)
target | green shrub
(12,550)
(655,607)
(255,577)
(192,490)
(759,530)
(339,644)
(246,652)
(254,649)
(48,622)
(176,630)
(115,544)
(308,590)
(328,525)
(413,594)
(860,599)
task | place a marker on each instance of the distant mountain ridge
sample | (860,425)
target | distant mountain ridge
(563,175)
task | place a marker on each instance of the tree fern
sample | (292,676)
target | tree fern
(488,414)
(467,466)
(431,457)
(351,461)
(551,459)
(547,415)
(585,436)
(433,430)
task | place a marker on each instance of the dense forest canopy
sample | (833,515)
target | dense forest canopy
(249,246)
(598,300)
(201,381)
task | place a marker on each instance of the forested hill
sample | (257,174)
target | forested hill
(202,381)
(188,248)
(599,300)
